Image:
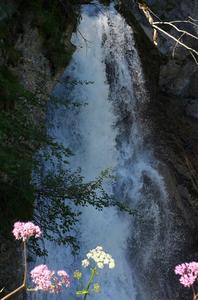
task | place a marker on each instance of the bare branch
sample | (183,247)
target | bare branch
(175,39)
(192,19)
(155,37)
(147,11)
(174,49)
(176,28)
(154,14)
(196,61)
(155,25)
(184,21)
(84,38)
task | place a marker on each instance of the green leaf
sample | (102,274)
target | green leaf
(82,293)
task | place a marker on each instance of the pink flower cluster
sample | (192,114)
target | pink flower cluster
(188,273)
(64,278)
(47,281)
(23,231)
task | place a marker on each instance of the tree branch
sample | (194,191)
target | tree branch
(176,28)
(156,28)
(174,49)
(175,39)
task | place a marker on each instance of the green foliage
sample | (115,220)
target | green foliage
(51,18)
(7,9)
(8,29)
(58,191)
(17,146)
(59,194)
(25,144)
(20,138)
(51,25)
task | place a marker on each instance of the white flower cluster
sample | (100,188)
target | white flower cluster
(100,257)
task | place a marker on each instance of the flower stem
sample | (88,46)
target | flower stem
(13,292)
(31,289)
(25,263)
(195,296)
(93,273)
(23,285)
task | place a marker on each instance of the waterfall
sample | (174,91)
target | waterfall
(109,131)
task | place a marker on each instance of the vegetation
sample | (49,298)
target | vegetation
(25,144)
(24,147)
(20,136)
(50,17)
(17,133)
(55,282)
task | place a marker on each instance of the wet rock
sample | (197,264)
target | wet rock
(168,236)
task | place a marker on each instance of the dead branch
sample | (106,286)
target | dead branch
(174,49)
(196,61)
(185,21)
(192,19)
(150,15)
(176,28)
(147,13)
(175,39)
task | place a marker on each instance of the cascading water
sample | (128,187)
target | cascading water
(108,132)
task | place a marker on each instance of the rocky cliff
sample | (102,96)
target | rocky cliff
(173,112)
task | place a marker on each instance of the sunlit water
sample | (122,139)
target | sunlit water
(107,132)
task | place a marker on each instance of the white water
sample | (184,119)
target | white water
(106,133)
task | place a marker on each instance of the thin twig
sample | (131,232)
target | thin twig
(25,263)
(154,14)
(175,39)
(86,40)
(196,61)
(176,28)
(194,20)
(184,21)
(174,49)
(98,7)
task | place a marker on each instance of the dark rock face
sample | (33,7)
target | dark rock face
(178,76)
(173,9)
(176,148)
(173,113)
